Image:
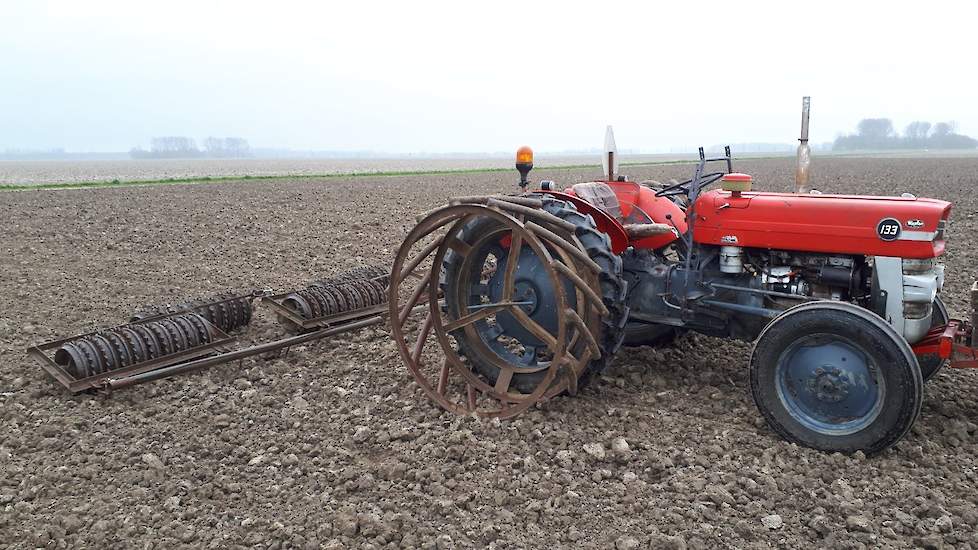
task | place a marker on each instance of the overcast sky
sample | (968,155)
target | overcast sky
(475,76)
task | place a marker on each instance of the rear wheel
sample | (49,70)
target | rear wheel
(477,278)
(930,364)
(835,377)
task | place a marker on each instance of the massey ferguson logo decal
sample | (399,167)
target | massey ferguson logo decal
(914,224)
(888,229)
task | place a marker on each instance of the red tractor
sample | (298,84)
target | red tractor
(527,296)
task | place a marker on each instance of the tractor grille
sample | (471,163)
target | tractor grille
(941,234)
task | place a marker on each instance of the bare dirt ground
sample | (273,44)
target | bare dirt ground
(333,446)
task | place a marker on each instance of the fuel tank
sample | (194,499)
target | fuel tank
(904,227)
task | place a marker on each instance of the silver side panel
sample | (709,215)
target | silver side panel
(908,296)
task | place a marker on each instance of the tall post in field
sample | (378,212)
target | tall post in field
(802,172)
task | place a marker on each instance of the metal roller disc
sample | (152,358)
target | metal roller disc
(244,316)
(209,313)
(342,304)
(217,316)
(136,344)
(381,290)
(356,297)
(107,357)
(189,331)
(116,359)
(233,316)
(200,327)
(315,309)
(372,292)
(72,359)
(176,335)
(377,290)
(298,304)
(338,299)
(227,312)
(328,293)
(167,345)
(123,351)
(326,303)
(246,304)
(364,293)
(203,333)
(150,342)
(314,305)
(91,366)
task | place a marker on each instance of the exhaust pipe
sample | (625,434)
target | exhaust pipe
(802,171)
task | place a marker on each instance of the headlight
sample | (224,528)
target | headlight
(917,267)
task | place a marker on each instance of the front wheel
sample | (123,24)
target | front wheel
(835,377)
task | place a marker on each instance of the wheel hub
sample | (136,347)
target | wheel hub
(525,291)
(531,284)
(828,385)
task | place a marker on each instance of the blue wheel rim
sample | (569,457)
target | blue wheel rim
(829,385)
(532,284)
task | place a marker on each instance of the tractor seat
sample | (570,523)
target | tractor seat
(600,195)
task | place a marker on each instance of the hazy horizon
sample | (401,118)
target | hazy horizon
(444,77)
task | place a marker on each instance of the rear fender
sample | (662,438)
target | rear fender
(605,223)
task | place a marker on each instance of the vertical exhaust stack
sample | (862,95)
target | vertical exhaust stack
(609,160)
(802,171)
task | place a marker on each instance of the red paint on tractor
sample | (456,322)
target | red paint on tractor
(604,222)
(638,205)
(836,224)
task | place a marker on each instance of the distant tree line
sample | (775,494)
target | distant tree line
(878,133)
(173,147)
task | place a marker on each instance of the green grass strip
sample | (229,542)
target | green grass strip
(334,175)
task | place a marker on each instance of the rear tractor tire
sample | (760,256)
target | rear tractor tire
(464,280)
(835,377)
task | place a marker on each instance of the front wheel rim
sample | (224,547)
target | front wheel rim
(829,385)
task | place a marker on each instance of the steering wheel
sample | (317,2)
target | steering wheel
(682,188)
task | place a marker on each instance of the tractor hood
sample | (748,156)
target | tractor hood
(905,227)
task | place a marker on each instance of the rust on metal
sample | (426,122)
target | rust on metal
(319,306)
(229,311)
(363,273)
(428,346)
(77,364)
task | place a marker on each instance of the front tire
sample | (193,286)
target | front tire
(835,377)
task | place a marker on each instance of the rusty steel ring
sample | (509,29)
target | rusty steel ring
(453,384)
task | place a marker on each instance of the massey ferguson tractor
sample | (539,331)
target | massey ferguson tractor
(527,296)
